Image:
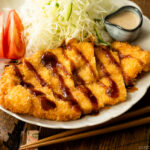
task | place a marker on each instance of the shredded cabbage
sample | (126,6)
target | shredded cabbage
(49,22)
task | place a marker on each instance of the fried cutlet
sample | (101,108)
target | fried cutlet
(109,71)
(62,84)
(108,88)
(133,59)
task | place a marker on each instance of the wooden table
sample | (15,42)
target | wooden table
(145,6)
(131,139)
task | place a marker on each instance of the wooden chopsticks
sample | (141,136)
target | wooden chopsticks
(76,133)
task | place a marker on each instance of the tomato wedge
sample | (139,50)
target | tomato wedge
(1,35)
(15,45)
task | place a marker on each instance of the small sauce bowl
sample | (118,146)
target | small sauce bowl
(122,34)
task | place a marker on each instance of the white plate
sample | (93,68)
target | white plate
(105,114)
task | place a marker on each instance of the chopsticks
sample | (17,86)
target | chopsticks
(76,133)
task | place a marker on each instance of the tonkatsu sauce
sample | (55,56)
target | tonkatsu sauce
(111,58)
(85,90)
(38,77)
(69,47)
(44,101)
(50,61)
(112,90)
(41,80)
(47,104)
(20,77)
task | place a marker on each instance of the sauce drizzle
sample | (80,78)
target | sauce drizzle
(110,57)
(41,80)
(50,61)
(112,90)
(44,101)
(79,81)
(38,77)
(69,47)
(19,75)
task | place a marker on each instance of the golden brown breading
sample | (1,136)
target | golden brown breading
(110,72)
(80,54)
(64,83)
(18,99)
(133,60)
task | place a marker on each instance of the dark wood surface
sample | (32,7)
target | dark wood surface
(145,6)
(137,138)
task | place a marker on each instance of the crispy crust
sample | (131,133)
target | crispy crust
(86,60)
(134,60)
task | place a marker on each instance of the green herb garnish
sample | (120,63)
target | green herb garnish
(57,5)
(99,38)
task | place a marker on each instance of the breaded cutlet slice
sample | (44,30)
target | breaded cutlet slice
(81,55)
(133,59)
(57,86)
(110,74)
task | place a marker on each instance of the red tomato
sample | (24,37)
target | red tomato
(1,35)
(15,46)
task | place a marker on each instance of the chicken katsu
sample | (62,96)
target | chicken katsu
(133,60)
(73,80)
